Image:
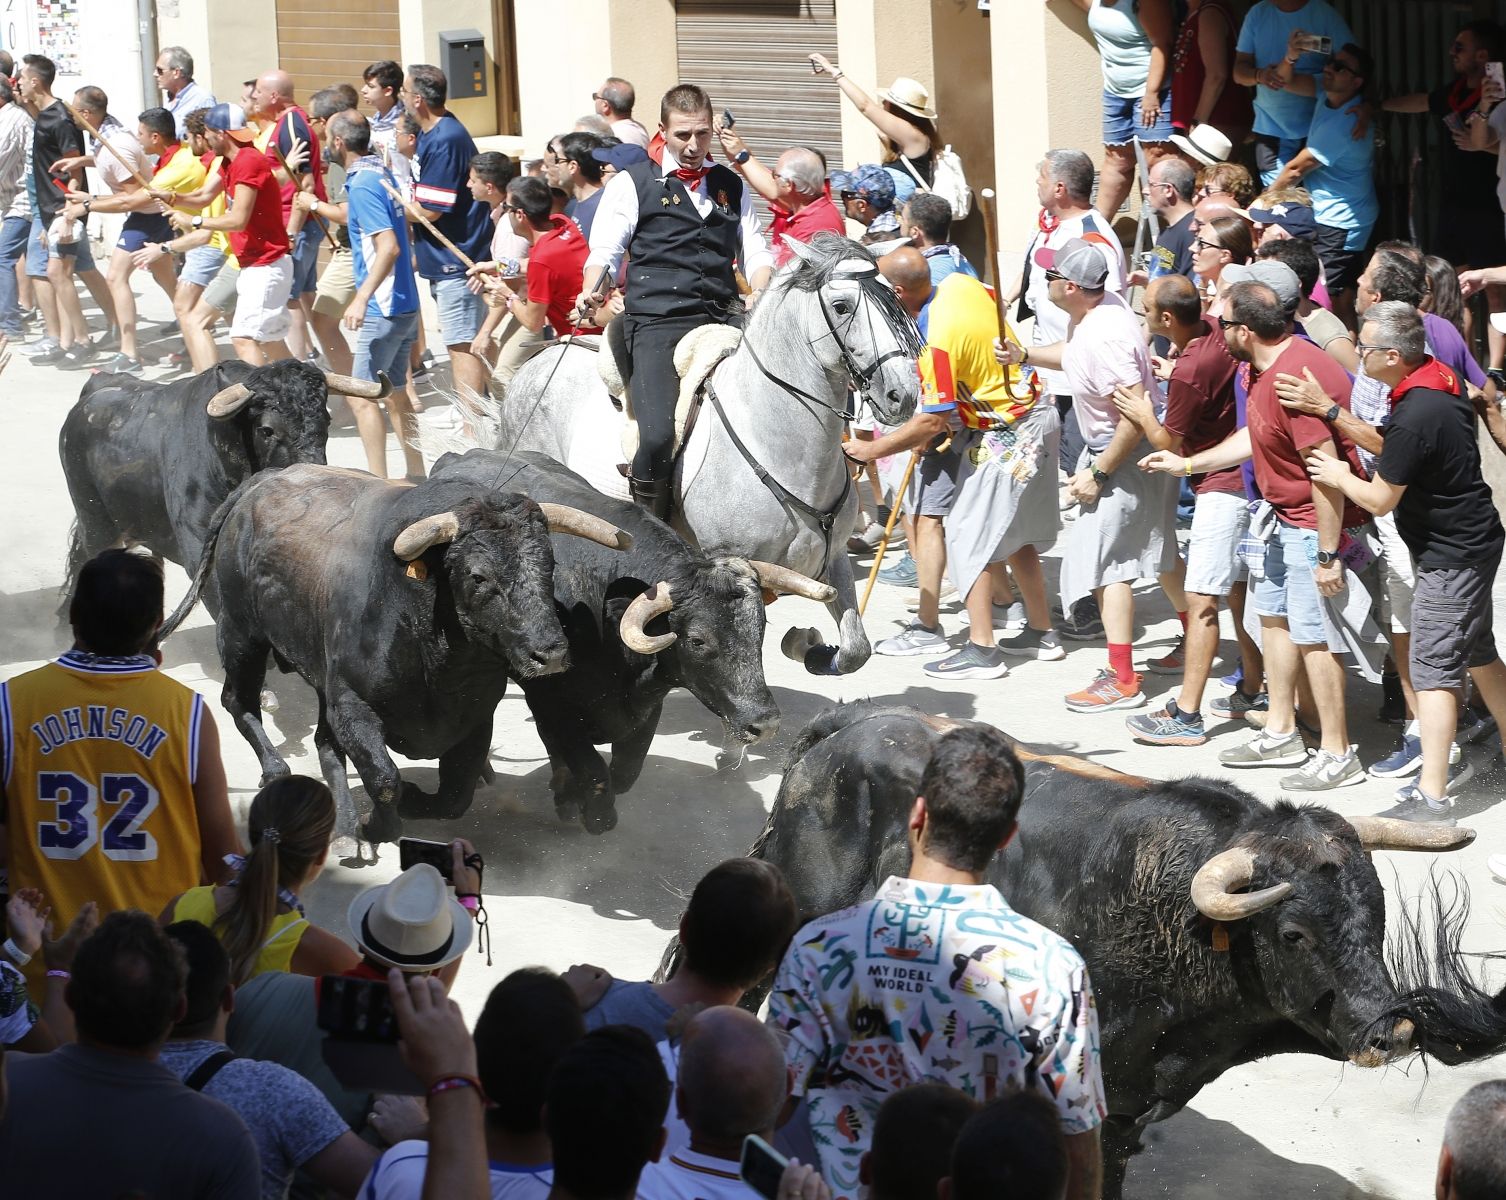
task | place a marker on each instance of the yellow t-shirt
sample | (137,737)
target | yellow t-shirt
(100,757)
(963,324)
(218,238)
(183,172)
(283,935)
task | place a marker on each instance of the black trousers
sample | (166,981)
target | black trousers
(649,369)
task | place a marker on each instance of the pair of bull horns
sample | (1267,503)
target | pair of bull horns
(1217,886)
(658,600)
(228,401)
(415,540)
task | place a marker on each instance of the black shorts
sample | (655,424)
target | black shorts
(1341,268)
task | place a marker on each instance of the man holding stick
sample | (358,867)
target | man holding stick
(258,238)
(121,161)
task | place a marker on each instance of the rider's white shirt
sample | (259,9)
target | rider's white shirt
(617,217)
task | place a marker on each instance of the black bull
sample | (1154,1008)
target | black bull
(1193,973)
(148,463)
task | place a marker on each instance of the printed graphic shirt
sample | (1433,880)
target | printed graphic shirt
(932,983)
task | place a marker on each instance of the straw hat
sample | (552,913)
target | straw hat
(911,96)
(1206,144)
(412,923)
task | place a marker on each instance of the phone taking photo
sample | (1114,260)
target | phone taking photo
(356,1009)
(762,1166)
(728,120)
(1315,43)
(1496,73)
(421,850)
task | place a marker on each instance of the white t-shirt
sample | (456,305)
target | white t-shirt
(1105,350)
(1050,321)
(399,1175)
(114,170)
(687,1175)
(630,131)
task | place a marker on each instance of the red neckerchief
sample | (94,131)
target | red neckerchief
(1432,374)
(690,176)
(166,157)
(1460,98)
(1048,223)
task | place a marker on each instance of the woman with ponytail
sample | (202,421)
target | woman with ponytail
(258,915)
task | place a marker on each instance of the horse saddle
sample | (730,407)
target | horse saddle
(696,356)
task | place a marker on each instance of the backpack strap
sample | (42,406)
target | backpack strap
(208,1069)
(909,166)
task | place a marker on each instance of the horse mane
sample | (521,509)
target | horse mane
(818,267)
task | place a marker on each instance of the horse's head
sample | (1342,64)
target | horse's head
(856,325)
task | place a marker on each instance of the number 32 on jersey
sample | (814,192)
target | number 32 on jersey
(76,828)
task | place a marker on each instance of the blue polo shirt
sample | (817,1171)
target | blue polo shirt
(1343,188)
(444,167)
(1264,35)
(372,211)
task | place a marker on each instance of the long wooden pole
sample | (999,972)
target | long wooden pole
(991,237)
(418,215)
(878,558)
(283,163)
(105,142)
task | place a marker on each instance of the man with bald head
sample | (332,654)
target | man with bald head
(282,123)
(990,497)
(795,190)
(730,1081)
(1200,413)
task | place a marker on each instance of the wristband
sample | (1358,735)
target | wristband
(1024,356)
(837,74)
(469,900)
(15,953)
(1187,467)
(56,973)
(448,1083)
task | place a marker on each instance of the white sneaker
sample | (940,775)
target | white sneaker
(1325,770)
(915,640)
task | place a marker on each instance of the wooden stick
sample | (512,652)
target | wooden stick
(283,163)
(991,237)
(899,499)
(418,215)
(105,142)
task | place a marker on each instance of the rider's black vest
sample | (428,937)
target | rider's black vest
(678,264)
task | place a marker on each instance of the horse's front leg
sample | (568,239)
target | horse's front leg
(805,645)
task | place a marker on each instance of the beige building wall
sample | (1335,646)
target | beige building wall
(230,42)
(419,25)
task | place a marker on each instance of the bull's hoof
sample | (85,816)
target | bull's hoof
(488,774)
(415,804)
(568,811)
(383,825)
(600,821)
(798,643)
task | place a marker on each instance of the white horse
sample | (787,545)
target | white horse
(761,475)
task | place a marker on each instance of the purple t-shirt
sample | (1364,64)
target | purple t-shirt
(1448,347)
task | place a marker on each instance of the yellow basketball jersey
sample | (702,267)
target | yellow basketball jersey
(100,759)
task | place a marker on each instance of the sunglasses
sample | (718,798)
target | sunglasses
(1050,275)
(1226,324)
(1362,349)
(850,196)
(1338,64)
(1203,244)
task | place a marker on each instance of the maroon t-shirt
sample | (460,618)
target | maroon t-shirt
(1200,405)
(1279,437)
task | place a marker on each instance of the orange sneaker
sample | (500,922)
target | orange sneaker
(1105,692)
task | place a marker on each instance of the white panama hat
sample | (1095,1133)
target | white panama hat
(910,95)
(412,923)
(1206,144)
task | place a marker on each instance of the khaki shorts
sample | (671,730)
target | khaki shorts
(219,293)
(337,285)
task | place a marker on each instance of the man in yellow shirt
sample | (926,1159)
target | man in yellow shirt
(992,496)
(111,785)
(177,170)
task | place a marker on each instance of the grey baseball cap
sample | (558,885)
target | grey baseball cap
(1277,276)
(1077,261)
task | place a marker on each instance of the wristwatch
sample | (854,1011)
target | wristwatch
(1327,558)
(198,221)
(1098,476)
(742,156)
(1332,414)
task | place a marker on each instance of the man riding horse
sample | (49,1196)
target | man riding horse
(682,224)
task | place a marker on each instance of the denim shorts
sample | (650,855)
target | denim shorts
(305,258)
(201,265)
(1219,521)
(461,311)
(1121,120)
(37,254)
(383,345)
(1288,588)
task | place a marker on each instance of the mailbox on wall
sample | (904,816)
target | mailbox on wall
(462,58)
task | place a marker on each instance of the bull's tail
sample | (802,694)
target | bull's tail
(206,560)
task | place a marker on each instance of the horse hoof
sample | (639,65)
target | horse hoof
(269,702)
(384,825)
(822,660)
(275,774)
(798,643)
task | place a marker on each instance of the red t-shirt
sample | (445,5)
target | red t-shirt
(1279,437)
(265,239)
(1200,405)
(556,273)
(819,216)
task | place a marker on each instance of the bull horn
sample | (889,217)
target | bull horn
(1388,833)
(564,519)
(774,578)
(1215,887)
(644,608)
(418,537)
(228,401)
(365,389)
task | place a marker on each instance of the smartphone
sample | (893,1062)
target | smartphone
(728,120)
(1319,45)
(419,850)
(358,1010)
(762,1166)
(1496,73)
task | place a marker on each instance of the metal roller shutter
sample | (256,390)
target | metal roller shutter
(750,55)
(320,42)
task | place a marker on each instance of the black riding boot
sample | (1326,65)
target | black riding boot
(652,494)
